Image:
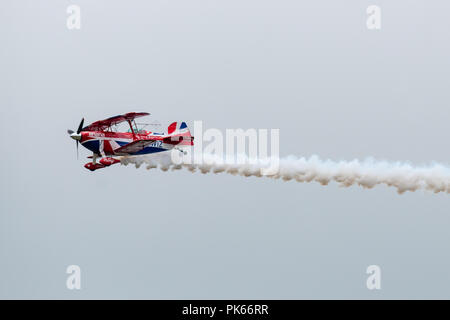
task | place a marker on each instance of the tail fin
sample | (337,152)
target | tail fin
(179,134)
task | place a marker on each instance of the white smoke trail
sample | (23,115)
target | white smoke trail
(368,173)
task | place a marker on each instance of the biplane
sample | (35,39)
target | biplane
(108,144)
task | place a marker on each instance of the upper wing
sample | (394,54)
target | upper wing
(134,146)
(104,124)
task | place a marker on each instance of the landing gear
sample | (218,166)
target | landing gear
(93,166)
(104,162)
(107,161)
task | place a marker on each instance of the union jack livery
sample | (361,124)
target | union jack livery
(106,143)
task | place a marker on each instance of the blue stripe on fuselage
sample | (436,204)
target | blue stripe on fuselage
(94,146)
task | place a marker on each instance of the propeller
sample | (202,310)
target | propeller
(76,135)
(80,126)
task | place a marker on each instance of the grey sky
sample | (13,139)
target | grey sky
(309,68)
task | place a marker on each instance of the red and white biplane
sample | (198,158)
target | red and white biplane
(105,142)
